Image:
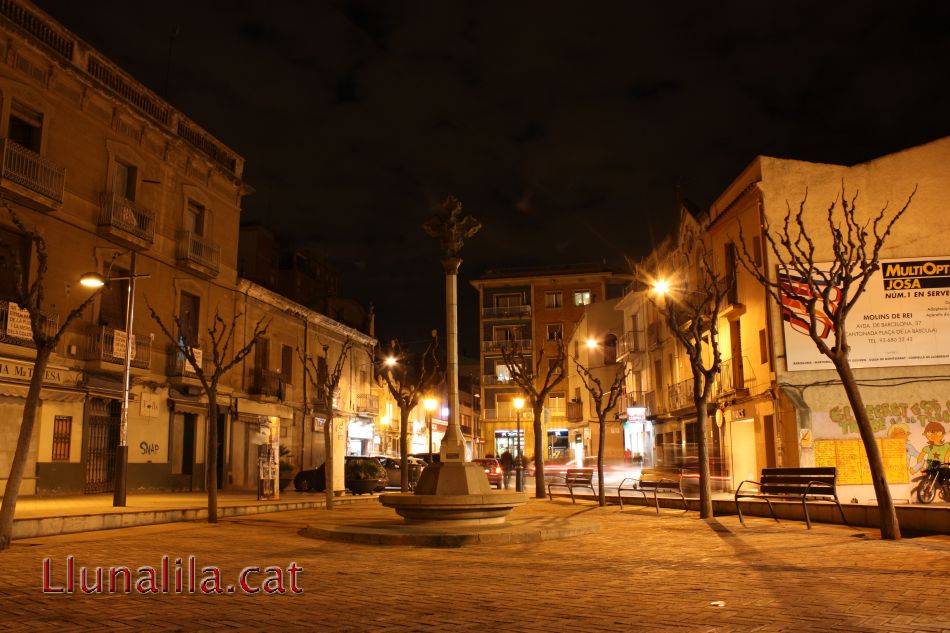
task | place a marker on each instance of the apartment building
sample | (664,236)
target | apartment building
(777,401)
(593,344)
(121,183)
(533,309)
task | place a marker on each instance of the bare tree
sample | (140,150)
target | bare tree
(604,401)
(224,355)
(828,292)
(408,382)
(523,375)
(692,316)
(325,384)
(30,297)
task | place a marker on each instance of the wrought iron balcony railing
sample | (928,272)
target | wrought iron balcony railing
(367,403)
(630,343)
(107,345)
(126,216)
(266,382)
(523,344)
(31,171)
(507,312)
(16,328)
(196,249)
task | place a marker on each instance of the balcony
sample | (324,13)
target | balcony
(575,411)
(367,403)
(105,347)
(179,370)
(523,344)
(31,179)
(126,221)
(734,378)
(655,403)
(631,399)
(266,382)
(506,413)
(554,414)
(507,312)
(198,254)
(495,380)
(16,327)
(630,343)
(681,395)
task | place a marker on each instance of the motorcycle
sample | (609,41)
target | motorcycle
(935,478)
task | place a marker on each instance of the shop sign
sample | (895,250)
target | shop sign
(24,372)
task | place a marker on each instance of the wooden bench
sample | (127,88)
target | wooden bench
(574,478)
(817,483)
(653,480)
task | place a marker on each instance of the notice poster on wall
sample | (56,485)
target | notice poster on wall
(851,460)
(18,322)
(902,319)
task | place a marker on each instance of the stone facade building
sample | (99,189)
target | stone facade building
(120,182)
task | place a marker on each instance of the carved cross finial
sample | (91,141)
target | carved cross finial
(451,228)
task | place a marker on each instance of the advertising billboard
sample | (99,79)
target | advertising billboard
(902,319)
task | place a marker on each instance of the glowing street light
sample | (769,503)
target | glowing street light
(95,280)
(591,343)
(519,466)
(661,287)
(390,361)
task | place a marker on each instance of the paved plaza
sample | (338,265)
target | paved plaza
(636,571)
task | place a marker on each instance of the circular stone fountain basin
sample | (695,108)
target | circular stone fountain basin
(454,510)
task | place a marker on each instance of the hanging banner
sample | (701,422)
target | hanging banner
(902,319)
(18,322)
(118,345)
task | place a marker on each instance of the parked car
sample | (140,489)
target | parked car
(492,469)
(314,480)
(425,457)
(394,470)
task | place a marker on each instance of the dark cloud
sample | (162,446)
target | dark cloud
(566,128)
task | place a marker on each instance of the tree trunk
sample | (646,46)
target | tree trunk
(601,446)
(22,452)
(211,462)
(890,529)
(705,488)
(328,479)
(404,449)
(539,443)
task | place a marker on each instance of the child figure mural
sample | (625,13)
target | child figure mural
(935,448)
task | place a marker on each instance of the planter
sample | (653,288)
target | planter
(362,486)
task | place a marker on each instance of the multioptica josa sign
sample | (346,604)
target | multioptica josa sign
(902,319)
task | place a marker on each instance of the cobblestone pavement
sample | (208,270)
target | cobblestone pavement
(636,572)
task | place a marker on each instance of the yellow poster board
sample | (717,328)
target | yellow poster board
(849,457)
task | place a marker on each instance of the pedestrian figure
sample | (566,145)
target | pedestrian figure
(507,464)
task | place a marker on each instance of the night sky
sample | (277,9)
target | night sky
(567,128)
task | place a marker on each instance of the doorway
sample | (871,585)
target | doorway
(742,440)
(102,438)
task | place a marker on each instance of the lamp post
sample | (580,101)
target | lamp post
(519,465)
(430,405)
(95,280)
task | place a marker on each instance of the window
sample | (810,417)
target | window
(554,367)
(25,127)
(502,373)
(113,300)
(557,403)
(554,299)
(555,331)
(62,435)
(507,333)
(188,312)
(610,349)
(262,354)
(582,298)
(14,262)
(507,301)
(287,364)
(195,218)
(123,180)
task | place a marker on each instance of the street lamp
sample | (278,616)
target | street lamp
(519,466)
(430,405)
(95,280)
(661,287)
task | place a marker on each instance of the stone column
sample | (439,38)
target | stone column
(453,444)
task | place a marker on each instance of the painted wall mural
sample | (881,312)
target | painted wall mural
(909,433)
